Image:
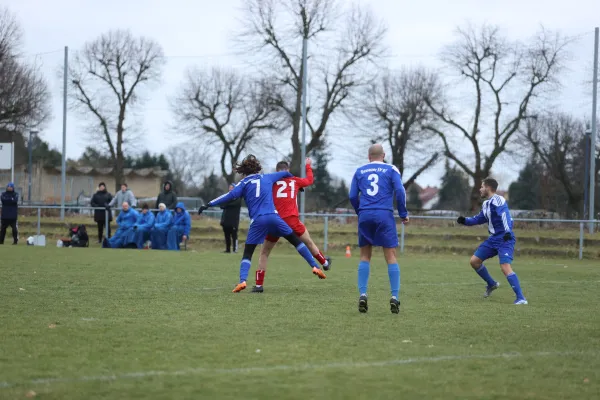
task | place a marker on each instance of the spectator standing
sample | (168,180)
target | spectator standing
(168,197)
(162,224)
(230,221)
(143,226)
(180,230)
(10,213)
(124,195)
(102,199)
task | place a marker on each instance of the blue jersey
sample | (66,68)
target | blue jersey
(496,214)
(257,191)
(378,183)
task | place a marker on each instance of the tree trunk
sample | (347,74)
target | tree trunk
(475,195)
(398,161)
(118,173)
(296,161)
(119,162)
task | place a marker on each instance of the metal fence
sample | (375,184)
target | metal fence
(564,226)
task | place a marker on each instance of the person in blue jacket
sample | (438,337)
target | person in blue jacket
(180,230)
(143,227)
(162,224)
(124,234)
(10,211)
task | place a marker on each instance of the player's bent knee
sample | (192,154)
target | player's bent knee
(293,239)
(249,251)
(506,269)
(390,255)
(476,262)
(306,239)
(365,253)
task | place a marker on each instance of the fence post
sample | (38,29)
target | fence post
(106,221)
(326,234)
(39,218)
(402,239)
(581,240)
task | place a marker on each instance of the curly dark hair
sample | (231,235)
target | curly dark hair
(249,165)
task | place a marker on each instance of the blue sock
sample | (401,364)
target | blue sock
(394,274)
(513,281)
(305,253)
(244,269)
(363,276)
(485,275)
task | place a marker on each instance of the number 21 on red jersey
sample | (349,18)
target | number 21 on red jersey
(282,189)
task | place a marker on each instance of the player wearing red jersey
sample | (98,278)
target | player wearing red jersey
(285,195)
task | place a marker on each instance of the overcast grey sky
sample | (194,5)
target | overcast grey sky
(200,33)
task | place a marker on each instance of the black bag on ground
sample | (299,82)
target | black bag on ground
(79,237)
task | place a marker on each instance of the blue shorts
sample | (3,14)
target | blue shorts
(497,247)
(377,228)
(268,224)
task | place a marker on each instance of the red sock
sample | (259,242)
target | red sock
(260,277)
(320,258)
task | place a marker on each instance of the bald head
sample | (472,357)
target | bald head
(376,153)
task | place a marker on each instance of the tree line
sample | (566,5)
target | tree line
(487,106)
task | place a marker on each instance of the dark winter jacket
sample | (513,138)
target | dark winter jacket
(101,199)
(231,214)
(167,196)
(10,203)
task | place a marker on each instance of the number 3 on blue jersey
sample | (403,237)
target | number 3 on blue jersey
(374,179)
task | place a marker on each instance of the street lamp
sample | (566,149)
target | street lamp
(30,168)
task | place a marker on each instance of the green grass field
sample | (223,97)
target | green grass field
(112,324)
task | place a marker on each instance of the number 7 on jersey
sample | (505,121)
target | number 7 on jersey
(257,183)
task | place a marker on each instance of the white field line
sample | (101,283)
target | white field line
(199,289)
(298,367)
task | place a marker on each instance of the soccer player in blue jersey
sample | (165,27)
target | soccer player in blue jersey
(257,191)
(501,242)
(374,187)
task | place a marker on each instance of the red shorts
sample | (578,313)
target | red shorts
(294,222)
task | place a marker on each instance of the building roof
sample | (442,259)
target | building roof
(79,170)
(428,193)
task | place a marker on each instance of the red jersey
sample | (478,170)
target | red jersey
(285,193)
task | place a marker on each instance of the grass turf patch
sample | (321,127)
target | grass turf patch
(91,323)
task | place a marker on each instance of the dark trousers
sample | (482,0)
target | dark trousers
(230,238)
(101,225)
(4,224)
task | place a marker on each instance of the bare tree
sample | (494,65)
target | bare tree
(107,76)
(558,141)
(226,111)
(187,166)
(277,28)
(24,96)
(505,78)
(395,109)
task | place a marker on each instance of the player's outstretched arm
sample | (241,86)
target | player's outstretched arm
(354,194)
(478,219)
(224,199)
(276,176)
(310,178)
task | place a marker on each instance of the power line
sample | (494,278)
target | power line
(42,53)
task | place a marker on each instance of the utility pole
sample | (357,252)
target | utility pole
(304,95)
(594,133)
(64,144)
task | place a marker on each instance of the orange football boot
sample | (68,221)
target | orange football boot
(319,272)
(239,287)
